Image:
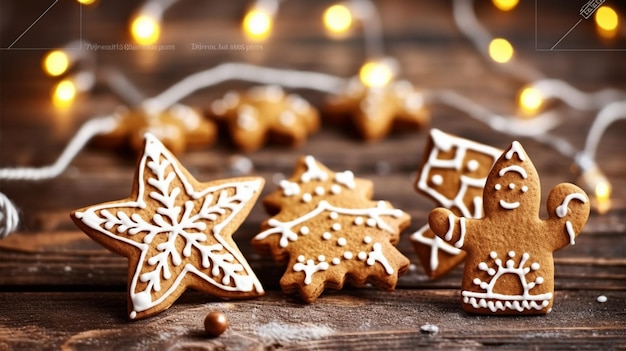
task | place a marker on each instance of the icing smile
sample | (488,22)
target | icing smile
(509,205)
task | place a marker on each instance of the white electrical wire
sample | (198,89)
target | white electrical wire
(245,72)
(9,219)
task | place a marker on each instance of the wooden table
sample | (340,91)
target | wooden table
(58,289)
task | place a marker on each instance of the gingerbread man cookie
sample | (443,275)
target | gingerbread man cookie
(376,111)
(328,231)
(176,233)
(453,173)
(509,267)
(178,127)
(265,112)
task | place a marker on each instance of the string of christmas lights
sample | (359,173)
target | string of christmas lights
(377,71)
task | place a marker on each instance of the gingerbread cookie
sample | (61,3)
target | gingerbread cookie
(509,267)
(178,127)
(376,111)
(265,112)
(327,231)
(176,233)
(453,173)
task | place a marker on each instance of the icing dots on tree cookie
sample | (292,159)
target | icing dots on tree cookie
(376,111)
(509,267)
(453,173)
(265,113)
(179,127)
(327,231)
(176,232)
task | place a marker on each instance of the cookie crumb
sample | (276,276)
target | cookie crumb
(429,329)
(601,299)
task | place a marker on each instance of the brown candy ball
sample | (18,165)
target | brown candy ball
(215,323)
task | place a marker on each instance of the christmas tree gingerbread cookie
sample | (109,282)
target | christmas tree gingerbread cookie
(176,233)
(509,268)
(453,173)
(327,231)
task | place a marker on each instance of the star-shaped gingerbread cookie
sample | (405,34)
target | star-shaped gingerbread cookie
(265,113)
(453,173)
(176,232)
(327,231)
(376,111)
(509,267)
(179,127)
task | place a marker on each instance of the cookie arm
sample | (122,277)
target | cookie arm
(568,209)
(448,226)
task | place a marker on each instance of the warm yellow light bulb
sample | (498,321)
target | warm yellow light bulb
(56,63)
(530,100)
(64,93)
(505,5)
(375,74)
(607,21)
(145,30)
(257,24)
(86,2)
(337,18)
(603,191)
(500,50)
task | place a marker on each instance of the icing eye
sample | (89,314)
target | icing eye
(472,165)
(512,186)
(498,187)
(524,189)
(437,179)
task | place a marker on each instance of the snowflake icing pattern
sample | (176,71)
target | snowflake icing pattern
(176,231)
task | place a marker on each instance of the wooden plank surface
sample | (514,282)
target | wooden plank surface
(59,289)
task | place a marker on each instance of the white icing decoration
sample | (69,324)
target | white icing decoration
(511,186)
(513,168)
(562,209)
(336,261)
(321,258)
(336,226)
(306,197)
(304,230)
(443,143)
(333,215)
(376,255)
(497,187)
(309,269)
(435,244)
(347,255)
(231,99)
(437,179)
(325,236)
(367,239)
(319,191)
(570,231)
(345,178)
(287,118)
(521,302)
(301,258)
(459,244)
(289,188)
(358,221)
(362,256)
(472,165)
(174,220)
(516,148)
(313,172)
(509,205)
(342,242)
(247,117)
(335,189)
(524,188)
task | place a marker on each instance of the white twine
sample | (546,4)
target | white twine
(9,219)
